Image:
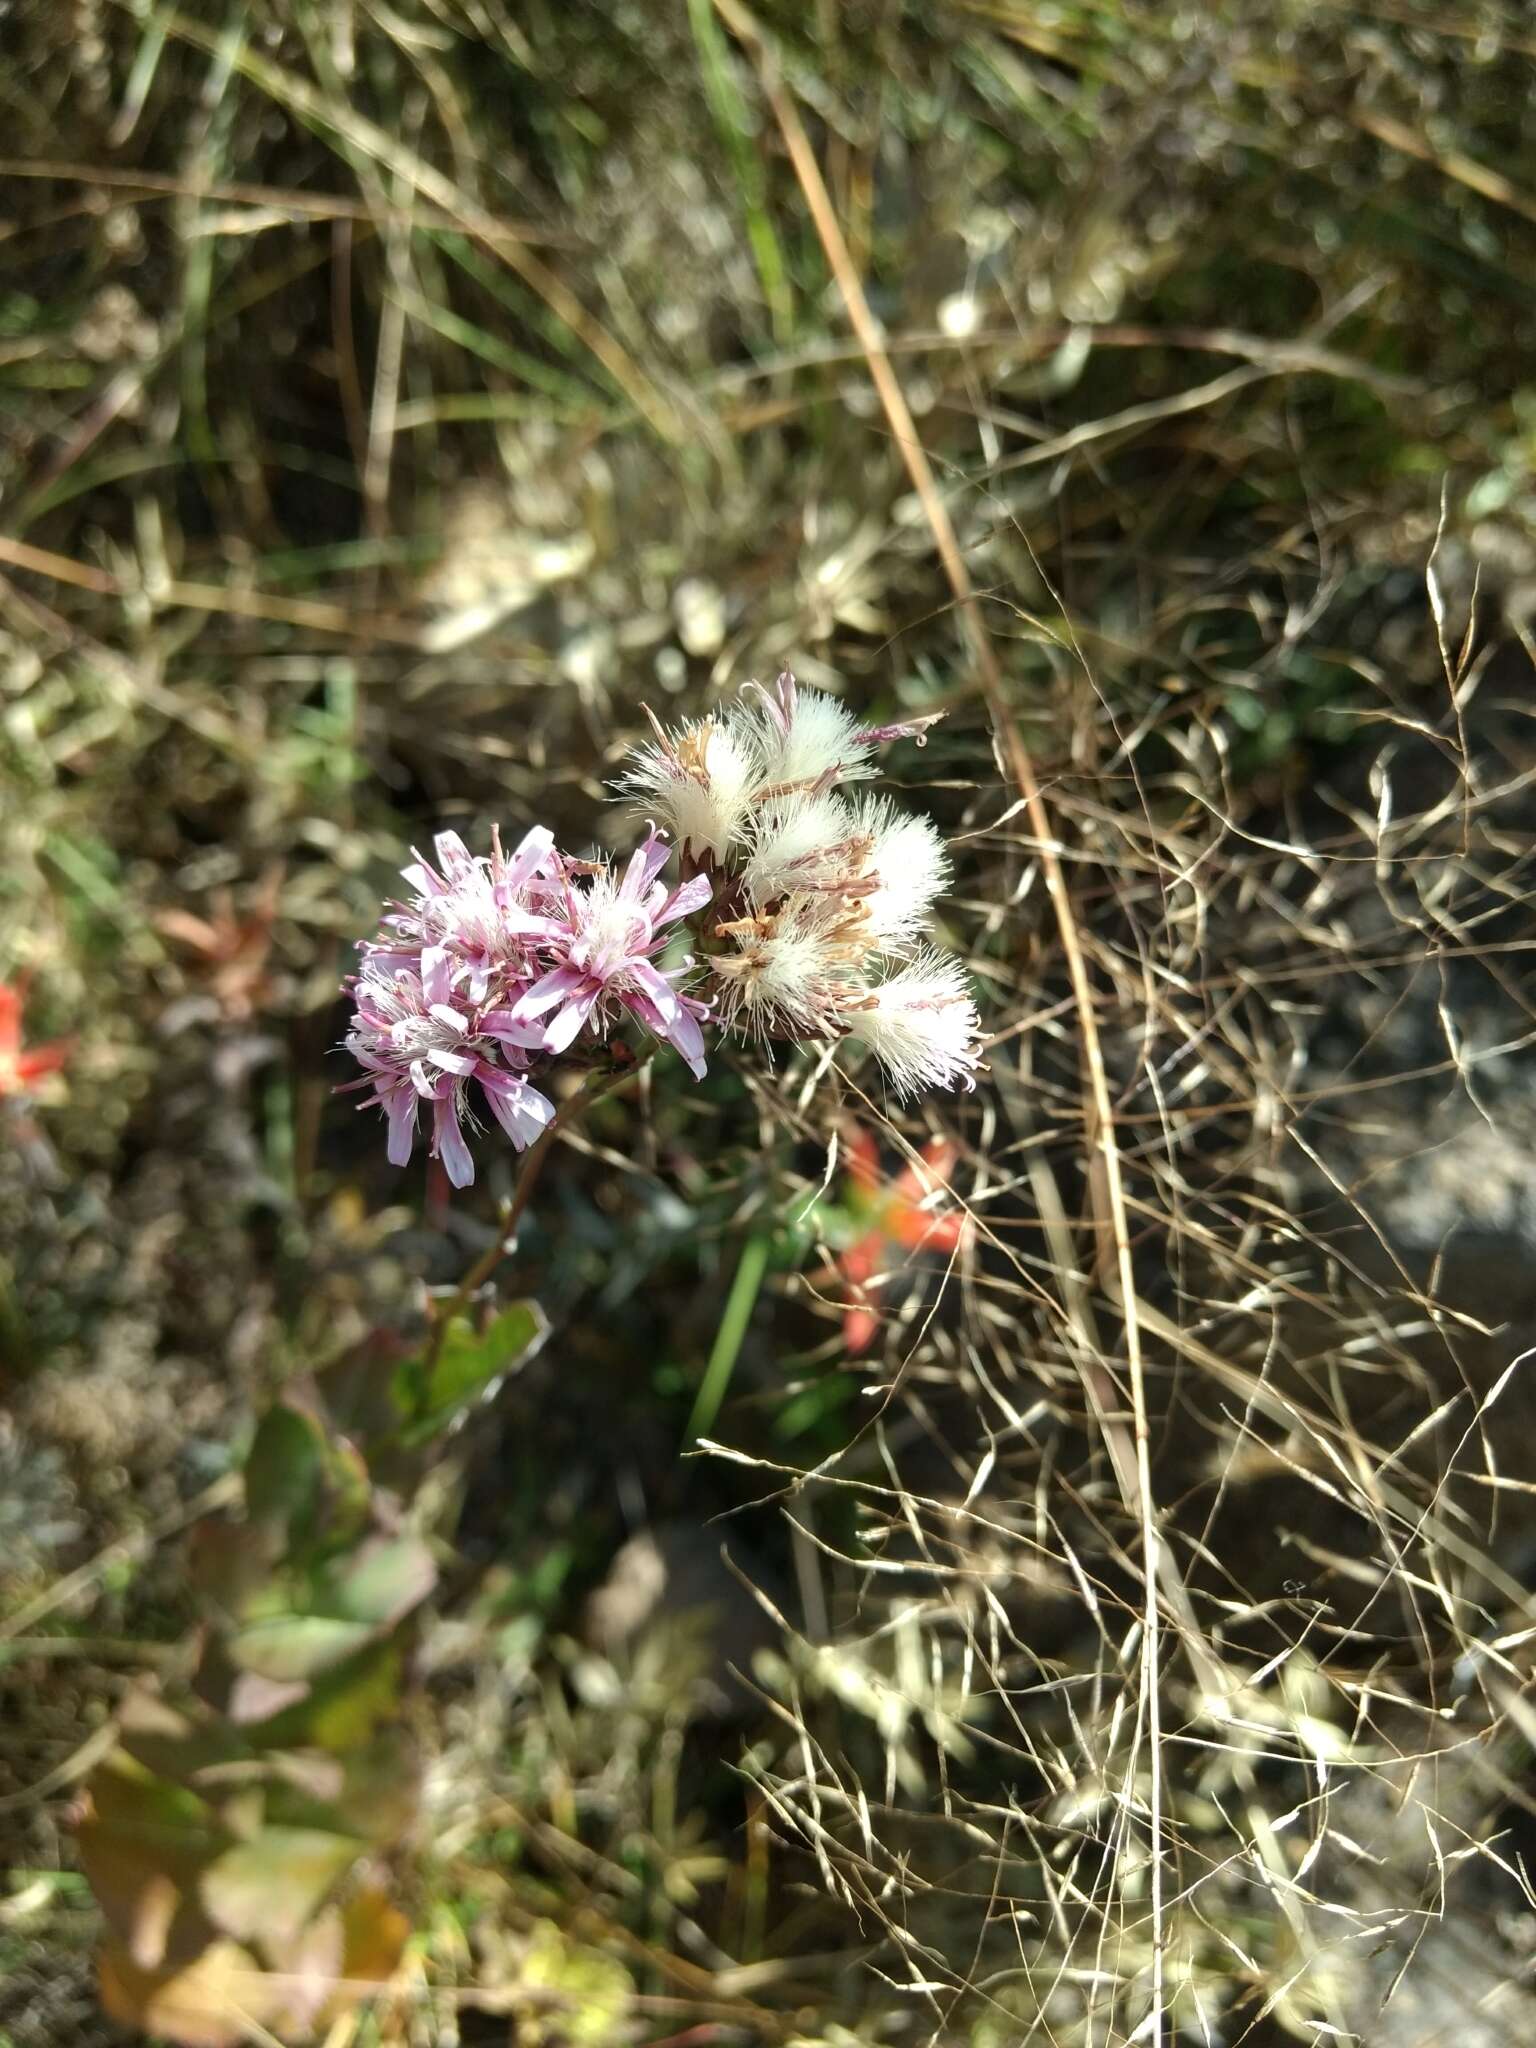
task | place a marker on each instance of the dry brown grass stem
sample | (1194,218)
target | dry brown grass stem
(1131,1459)
(278,199)
(308,613)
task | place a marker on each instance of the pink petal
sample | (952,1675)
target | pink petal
(389,958)
(448,1143)
(564,1026)
(684,900)
(521,1111)
(424,880)
(685,1034)
(655,987)
(680,1030)
(401,1110)
(524,924)
(553,988)
(510,1029)
(436,974)
(452,852)
(529,855)
(904,729)
(645,864)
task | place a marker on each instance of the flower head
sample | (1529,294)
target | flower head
(807,740)
(601,957)
(700,781)
(908,867)
(481,915)
(420,1043)
(831,894)
(921,1025)
(804,842)
(792,971)
(491,964)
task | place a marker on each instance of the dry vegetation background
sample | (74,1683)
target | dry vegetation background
(1129,1635)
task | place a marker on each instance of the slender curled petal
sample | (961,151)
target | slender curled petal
(680,1029)
(517,1106)
(529,858)
(399,1105)
(921,1025)
(685,900)
(903,729)
(448,1142)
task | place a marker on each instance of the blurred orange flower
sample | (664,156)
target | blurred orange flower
(904,1216)
(21,1066)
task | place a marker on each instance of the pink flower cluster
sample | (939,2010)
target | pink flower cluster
(811,904)
(491,964)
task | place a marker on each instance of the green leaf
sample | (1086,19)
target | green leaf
(467,1366)
(283,1470)
(175,1742)
(350,1602)
(267,1889)
(342,1707)
(310,1484)
(382,1789)
(359,1388)
(231,1562)
(293,1646)
(380,1581)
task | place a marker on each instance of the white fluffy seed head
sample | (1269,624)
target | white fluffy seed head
(801,842)
(830,890)
(699,782)
(809,737)
(909,866)
(921,1025)
(789,974)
